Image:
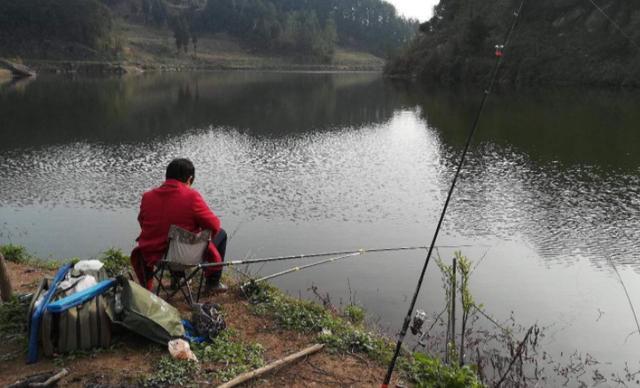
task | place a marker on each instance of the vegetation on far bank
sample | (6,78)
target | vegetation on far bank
(343,332)
(309,31)
(556,42)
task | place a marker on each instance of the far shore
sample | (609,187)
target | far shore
(132,68)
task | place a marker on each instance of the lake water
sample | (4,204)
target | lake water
(303,163)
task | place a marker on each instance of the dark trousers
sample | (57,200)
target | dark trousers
(220,241)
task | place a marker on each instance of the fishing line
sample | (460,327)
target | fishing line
(624,287)
(616,25)
(487,92)
(615,269)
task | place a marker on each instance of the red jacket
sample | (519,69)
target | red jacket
(173,203)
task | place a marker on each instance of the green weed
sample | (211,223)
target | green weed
(430,372)
(13,321)
(19,254)
(236,356)
(342,336)
(15,253)
(115,261)
(170,372)
(355,314)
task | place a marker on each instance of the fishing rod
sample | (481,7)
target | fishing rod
(313,255)
(300,268)
(407,320)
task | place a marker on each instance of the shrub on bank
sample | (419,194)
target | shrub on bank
(350,336)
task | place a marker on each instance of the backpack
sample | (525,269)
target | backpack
(144,313)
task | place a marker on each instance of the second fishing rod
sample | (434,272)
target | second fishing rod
(324,254)
(499,53)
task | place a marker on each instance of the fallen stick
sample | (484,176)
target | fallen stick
(53,379)
(33,381)
(6,292)
(283,361)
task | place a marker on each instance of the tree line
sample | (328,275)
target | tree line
(305,28)
(309,28)
(85,22)
(556,42)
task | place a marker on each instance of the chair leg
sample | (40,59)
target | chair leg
(200,285)
(160,286)
(184,283)
(190,298)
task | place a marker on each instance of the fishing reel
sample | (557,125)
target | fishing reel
(418,322)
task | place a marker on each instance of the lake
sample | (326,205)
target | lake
(300,163)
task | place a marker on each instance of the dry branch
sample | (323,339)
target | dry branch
(265,369)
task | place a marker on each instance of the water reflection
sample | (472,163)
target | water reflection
(555,170)
(314,162)
(59,110)
(568,126)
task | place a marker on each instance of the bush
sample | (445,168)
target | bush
(115,262)
(355,314)
(430,372)
(15,253)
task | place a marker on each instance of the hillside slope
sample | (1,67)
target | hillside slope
(556,42)
(152,47)
(305,34)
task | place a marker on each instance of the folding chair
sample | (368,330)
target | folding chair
(184,253)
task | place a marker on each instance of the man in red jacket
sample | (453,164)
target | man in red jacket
(176,203)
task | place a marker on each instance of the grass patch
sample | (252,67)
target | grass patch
(169,372)
(426,371)
(233,355)
(350,336)
(114,260)
(340,335)
(227,352)
(13,319)
(13,326)
(19,255)
(355,314)
(15,253)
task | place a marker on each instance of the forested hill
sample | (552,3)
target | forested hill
(306,29)
(556,42)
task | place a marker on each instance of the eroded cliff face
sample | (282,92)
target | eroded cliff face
(556,42)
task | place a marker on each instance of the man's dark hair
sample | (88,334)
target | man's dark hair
(181,169)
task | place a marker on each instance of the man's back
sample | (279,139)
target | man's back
(173,203)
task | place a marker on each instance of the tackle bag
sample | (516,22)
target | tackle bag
(144,313)
(207,320)
(82,325)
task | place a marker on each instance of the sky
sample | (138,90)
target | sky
(417,9)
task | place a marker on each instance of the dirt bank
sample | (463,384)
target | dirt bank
(132,360)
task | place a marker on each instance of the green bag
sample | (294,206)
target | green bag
(144,313)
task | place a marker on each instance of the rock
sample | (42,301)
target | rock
(18,70)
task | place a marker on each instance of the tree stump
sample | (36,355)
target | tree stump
(6,291)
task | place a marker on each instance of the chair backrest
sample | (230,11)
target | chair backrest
(186,248)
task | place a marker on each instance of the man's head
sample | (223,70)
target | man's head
(182,170)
